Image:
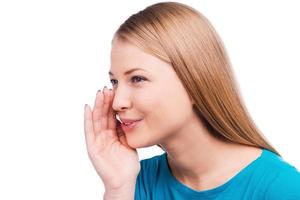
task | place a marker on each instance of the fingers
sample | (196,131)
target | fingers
(123,141)
(103,114)
(111,115)
(97,115)
(105,109)
(113,123)
(119,129)
(88,125)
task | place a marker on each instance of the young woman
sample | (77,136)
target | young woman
(173,86)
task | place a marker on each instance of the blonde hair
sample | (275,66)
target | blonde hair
(183,37)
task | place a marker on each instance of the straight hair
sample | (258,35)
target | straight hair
(183,37)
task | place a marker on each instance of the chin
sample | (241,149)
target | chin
(133,144)
(137,144)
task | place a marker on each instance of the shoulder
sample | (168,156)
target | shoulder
(285,183)
(153,161)
(151,166)
(286,186)
(147,176)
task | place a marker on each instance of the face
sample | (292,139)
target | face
(154,93)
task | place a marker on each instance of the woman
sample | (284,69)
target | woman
(173,86)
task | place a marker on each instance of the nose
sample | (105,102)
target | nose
(121,100)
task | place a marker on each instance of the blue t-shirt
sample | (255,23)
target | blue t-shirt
(268,177)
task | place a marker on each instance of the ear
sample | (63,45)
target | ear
(193,102)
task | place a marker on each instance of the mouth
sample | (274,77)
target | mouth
(129,126)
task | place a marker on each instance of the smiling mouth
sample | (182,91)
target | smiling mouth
(130,126)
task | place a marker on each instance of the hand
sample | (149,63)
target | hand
(116,163)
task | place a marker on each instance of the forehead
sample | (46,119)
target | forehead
(126,56)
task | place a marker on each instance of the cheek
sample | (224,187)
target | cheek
(164,108)
(164,114)
(160,111)
(147,100)
(172,109)
(152,106)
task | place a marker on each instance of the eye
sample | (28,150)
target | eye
(138,78)
(112,81)
(134,79)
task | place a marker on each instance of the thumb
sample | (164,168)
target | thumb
(121,135)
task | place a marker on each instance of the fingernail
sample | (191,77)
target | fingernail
(98,91)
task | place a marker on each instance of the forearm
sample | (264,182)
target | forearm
(124,193)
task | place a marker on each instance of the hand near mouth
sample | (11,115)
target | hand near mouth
(116,163)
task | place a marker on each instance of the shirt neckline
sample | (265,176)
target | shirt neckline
(210,192)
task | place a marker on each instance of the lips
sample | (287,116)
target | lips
(129,121)
(127,127)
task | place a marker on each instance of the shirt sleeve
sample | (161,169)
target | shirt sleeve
(286,186)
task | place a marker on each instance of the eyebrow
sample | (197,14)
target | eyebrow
(129,71)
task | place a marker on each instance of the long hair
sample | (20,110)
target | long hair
(183,37)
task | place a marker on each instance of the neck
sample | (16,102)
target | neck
(194,155)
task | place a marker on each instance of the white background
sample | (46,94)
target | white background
(54,56)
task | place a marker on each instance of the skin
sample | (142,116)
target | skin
(107,148)
(195,158)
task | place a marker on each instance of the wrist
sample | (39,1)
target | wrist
(125,192)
